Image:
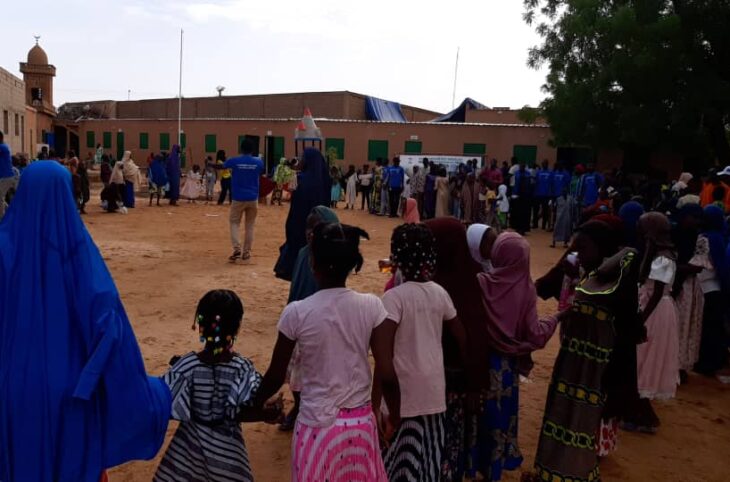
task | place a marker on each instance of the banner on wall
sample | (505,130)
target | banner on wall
(451,163)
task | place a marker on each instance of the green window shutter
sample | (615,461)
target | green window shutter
(413,147)
(526,154)
(210,143)
(164,141)
(278,148)
(183,140)
(107,141)
(338,144)
(478,149)
(377,149)
(144,140)
(120,144)
(90,139)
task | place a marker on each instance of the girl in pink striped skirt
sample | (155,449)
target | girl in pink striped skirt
(336,436)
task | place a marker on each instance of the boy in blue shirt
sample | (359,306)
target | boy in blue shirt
(245,174)
(396,182)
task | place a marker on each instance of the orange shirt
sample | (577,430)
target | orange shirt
(706,194)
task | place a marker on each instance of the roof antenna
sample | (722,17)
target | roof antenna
(456,73)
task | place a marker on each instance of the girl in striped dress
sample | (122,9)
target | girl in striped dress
(212,392)
(422,309)
(336,437)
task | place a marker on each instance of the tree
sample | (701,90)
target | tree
(529,115)
(641,75)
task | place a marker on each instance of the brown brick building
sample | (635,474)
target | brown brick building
(346,121)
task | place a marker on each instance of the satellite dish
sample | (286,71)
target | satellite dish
(220,90)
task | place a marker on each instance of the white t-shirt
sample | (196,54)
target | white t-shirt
(366,179)
(512,171)
(420,310)
(332,329)
(663,269)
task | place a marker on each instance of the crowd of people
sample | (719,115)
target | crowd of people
(641,296)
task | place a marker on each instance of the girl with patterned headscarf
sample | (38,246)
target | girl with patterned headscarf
(421,308)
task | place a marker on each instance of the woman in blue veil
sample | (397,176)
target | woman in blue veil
(313,189)
(173,174)
(75,398)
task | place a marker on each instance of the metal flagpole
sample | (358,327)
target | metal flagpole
(456,72)
(179,96)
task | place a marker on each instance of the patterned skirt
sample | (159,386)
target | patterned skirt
(415,455)
(496,446)
(347,450)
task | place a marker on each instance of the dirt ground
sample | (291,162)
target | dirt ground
(164,259)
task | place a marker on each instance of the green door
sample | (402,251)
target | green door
(377,149)
(525,154)
(120,145)
(278,148)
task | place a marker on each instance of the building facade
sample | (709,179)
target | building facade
(355,141)
(12,108)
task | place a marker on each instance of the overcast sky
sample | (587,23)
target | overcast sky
(400,50)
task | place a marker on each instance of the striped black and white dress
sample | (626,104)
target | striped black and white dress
(208,445)
(415,453)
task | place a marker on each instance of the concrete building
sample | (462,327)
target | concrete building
(12,107)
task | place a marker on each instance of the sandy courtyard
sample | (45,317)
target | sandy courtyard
(164,259)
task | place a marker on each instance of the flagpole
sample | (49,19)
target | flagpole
(456,73)
(179,95)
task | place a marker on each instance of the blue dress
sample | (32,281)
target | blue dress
(174,173)
(75,396)
(313,189)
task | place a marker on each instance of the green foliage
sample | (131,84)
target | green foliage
(636,74)
(529,115)
(331,155)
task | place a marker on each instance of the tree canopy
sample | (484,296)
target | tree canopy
(641,75)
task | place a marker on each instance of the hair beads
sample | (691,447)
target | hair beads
(413,252)
(218,317)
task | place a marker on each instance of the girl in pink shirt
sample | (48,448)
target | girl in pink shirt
(421,308)
(336,436)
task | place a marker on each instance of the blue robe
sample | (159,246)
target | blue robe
(75,398)
(174,173)
(313,189)
(303,284)
(158,174)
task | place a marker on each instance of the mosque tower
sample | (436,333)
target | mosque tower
(38,75)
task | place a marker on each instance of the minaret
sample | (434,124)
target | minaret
(38,75)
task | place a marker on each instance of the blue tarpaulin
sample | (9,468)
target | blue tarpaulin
(459,114)
(383,110)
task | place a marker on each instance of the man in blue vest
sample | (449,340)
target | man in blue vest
(541,202)
(588,187)
(396,183)
(521,200)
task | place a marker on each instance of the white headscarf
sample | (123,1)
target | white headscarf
(474,236)
(117,176)
(130,169)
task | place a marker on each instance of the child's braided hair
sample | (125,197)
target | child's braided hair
(336,248)
(218,316)
(413,252)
